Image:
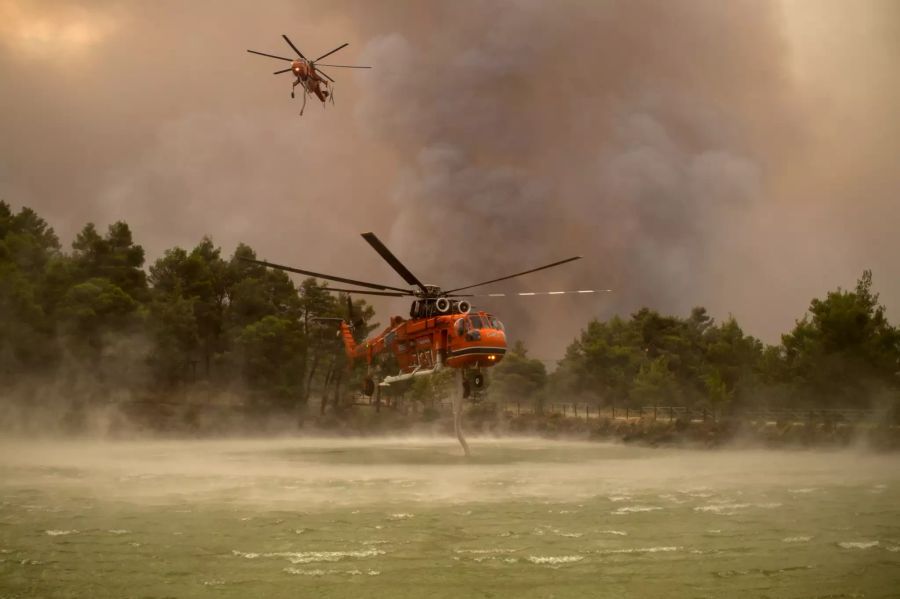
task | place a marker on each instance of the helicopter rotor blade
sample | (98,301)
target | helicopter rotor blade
(270,55)
(281,71)
(518,274)
(317,275)
(344,45)
(530,293)
(365,292)
(291,44)
(393,261)
(323,73)
(344,66)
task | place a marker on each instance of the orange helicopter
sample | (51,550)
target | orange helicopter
(442,329)
(308,74)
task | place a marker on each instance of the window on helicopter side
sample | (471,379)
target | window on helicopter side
(476,322)
(496,324)
(460,327)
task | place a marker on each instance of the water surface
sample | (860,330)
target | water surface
(412,518)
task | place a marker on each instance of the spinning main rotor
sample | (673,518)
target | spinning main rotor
(417,289)
(314,67)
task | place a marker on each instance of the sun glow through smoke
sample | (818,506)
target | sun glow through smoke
(55,32)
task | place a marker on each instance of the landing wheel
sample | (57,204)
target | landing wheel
(369,387)
(292,94)
(467,389)
(478,380)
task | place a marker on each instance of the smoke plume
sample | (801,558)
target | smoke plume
(734,155)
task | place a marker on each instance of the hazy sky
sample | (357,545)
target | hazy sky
(737,155)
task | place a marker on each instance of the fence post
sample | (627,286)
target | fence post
(518,407)
(614,412)
(654,412)
(626,412)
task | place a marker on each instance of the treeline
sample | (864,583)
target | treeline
(843,353)
(91,323)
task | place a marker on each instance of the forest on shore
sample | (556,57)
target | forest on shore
(96,324)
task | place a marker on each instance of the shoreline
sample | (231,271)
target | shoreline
(193,422)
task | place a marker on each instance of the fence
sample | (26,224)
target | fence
(588,411)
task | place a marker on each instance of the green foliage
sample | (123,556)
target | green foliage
(664,360)
(518,377)
(27,246)
(271,351)
(844,352)
(91,314)
(114,257)
(198,319)
(433,388)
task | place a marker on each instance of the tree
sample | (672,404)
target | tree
(27,245)
(99,324)
(656,384)
(518,376)
(271,359)
(176,341)
(843,352)
(114,257)
(202,277)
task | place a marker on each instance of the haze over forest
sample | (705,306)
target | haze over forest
(739,156)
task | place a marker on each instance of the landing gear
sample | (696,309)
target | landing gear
(478,380)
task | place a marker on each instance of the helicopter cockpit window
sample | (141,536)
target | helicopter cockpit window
(476,322)
(496,324)
(460,326)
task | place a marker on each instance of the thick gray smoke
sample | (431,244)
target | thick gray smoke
(736,155)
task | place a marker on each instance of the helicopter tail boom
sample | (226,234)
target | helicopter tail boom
(349,342)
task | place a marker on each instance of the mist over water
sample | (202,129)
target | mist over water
(411,516)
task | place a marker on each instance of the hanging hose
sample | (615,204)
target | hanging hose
(457,412)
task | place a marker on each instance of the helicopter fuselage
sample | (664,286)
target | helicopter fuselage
(307,76)
(471,340)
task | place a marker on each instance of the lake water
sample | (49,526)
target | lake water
(413,518)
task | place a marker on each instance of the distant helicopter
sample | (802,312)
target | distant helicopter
(308,74)
(442,330)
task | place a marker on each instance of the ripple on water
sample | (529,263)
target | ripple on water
(634,509)
(60,533)
(858,544)
(617,498)
(309,557)
(665,549)
(730,509)
(319,572)
(796,539)
(554,560)
(400,516)
(489,551)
